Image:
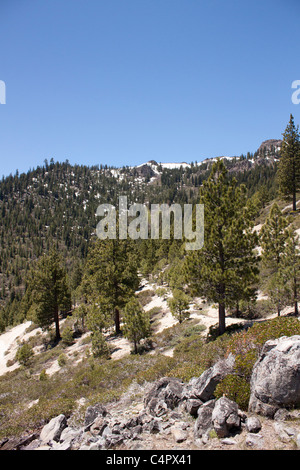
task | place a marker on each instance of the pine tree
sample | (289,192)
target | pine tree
(291,263)
(274,234)
(225,270)
(48,292)
(98,319)
(136,322)
(179,305)
(110,276)
(289,165)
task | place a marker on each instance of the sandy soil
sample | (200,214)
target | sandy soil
(9,345)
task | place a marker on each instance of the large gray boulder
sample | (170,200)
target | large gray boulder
(225,417)
(52,431)
(203,387)
(165,394)
(203,424)
(275,380)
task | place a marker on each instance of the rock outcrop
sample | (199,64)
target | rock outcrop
(165,394)
(203,387)
(275,381)
(172,413)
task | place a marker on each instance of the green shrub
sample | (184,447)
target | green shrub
(67,336)
(236,389)
(244,363)
(24,354)
(259,333)
(100,347)
(43,375)
(161,292)
(193,330)
(255,309)
(145,296)
(62,360)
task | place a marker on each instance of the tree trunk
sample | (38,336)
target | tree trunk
(56,320)
(221,286)
(221,319)
(294,201)
(296,311)
(117,321)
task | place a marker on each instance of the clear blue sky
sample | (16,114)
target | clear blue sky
(126,81)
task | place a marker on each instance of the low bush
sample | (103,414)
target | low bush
(236,389)
(145,296)
(67,336)
(24,354)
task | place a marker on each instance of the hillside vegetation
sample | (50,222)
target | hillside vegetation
(102,315)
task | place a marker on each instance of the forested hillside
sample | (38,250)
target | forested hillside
(55,205)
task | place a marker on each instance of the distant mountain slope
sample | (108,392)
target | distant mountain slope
(57,202)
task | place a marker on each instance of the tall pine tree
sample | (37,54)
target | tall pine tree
(110,276)
(292,267)
(225,270)
(274,235)
(48,291)
(289,165)
(136,322)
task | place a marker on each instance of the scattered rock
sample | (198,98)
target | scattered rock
(165,415)
(253,424)
(92,413)
(179,434)
(285,433)
(192,406)
(98,425)
(228,441)
(154,426)
(282,415)
(165,394)
(255,441)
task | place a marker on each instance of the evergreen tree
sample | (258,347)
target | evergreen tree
(278,289)
(292,267)
(136,322)
(289,166)
(98,319)
(225,270)
(110,277)
(48,292)
(274,235)
(179,305)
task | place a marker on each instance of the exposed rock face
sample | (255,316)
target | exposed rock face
(203,388)
(270,144)
(275,381)
(165,394)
